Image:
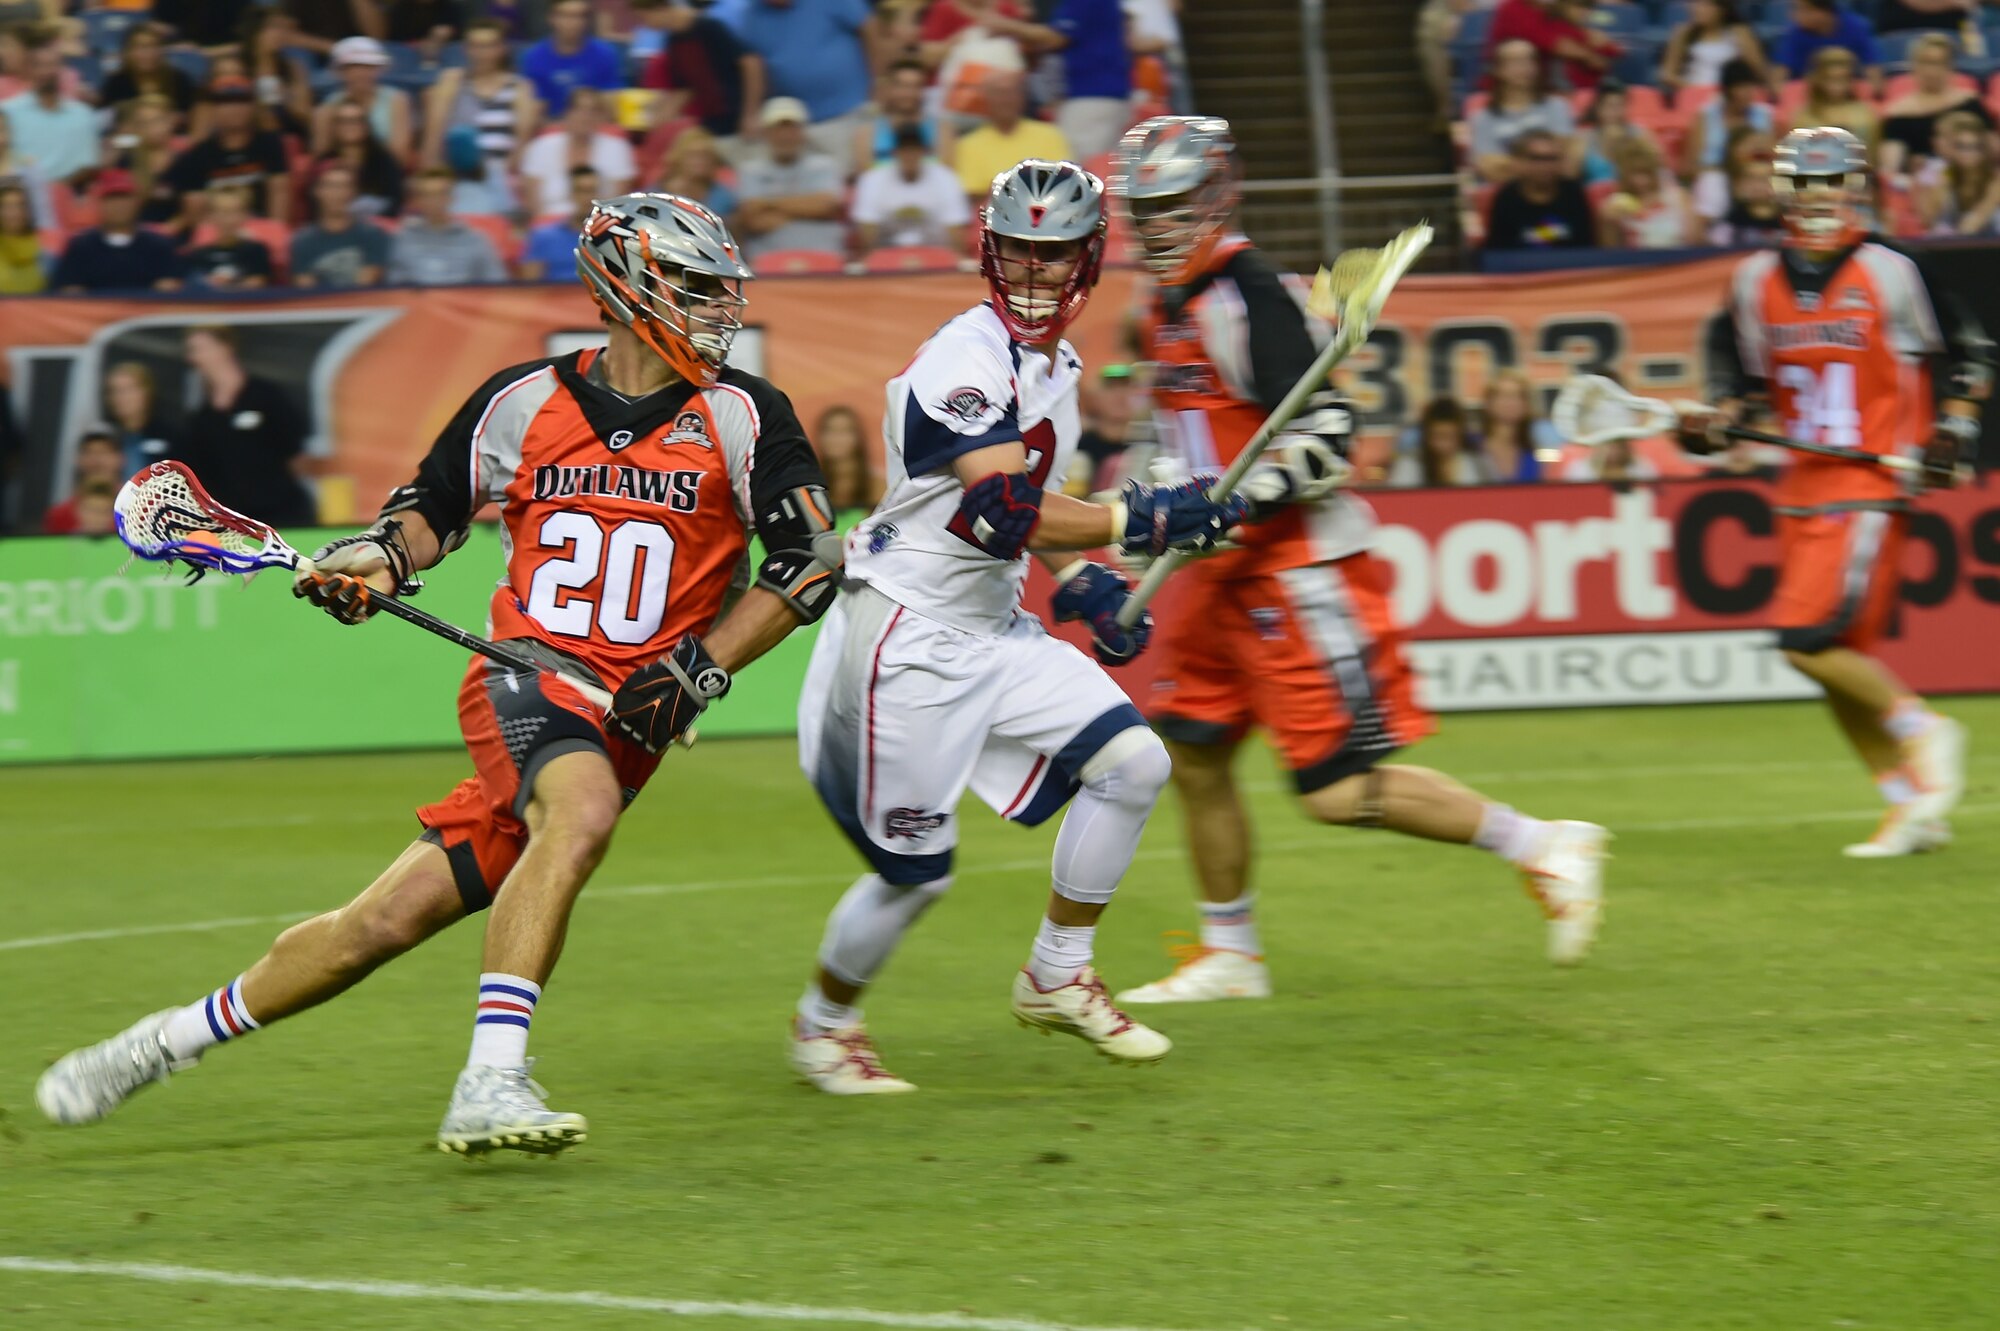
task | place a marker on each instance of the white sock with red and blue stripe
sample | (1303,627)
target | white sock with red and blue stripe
(500,1027)
(216,1019)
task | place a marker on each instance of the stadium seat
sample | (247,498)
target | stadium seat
(912,259)
(498,230)
(104,29)
(191,63)
(1473,29)
(1621,21)
(796,263)
(1895,47)
(1901,85)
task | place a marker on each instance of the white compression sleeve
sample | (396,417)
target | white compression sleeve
(870,919)
(1100,833)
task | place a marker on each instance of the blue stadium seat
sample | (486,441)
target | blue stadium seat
(1640,62)
(88,68)
(1895,48)
(191,63)
(1622,21)
(1472,30)
(405,60)
(104,29)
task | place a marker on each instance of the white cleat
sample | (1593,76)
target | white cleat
(1082,1008)
(1901,833)
(86,1084)
(1936,761)
(1205,975)
(502,1109)
(1567,880)
(844,1062)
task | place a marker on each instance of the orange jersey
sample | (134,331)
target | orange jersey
(1226,349)
(626,520)
(1844,355)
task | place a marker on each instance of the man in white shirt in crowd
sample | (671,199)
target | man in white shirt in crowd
(909,200)
(579,139)
(434,249)
(790,194)
(56,134)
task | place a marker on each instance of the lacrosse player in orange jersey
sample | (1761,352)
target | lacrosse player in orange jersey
(1292,632)
(628,478)
(1840,333)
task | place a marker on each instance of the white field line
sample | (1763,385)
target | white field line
(384,1289)
(1326,841)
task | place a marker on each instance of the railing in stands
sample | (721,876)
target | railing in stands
(1363,210)
(1326,146)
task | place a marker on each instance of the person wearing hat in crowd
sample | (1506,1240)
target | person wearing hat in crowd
(789,194)
(359,63)
(235,152)
(116,255)
(911,199)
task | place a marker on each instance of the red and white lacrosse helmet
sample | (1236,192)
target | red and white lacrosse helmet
(1043,203)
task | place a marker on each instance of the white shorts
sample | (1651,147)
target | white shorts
(900,714)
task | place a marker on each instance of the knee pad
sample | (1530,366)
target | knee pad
(1131,768)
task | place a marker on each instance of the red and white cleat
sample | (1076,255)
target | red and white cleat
(1566,878)
(1205,975)
(1900,833)
(844,1062)
(1082,1008)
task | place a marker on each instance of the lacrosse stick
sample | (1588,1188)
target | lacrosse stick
(163,514)
(1353,292)
(1592,410)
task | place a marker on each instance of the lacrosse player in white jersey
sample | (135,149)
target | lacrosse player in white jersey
(930,678)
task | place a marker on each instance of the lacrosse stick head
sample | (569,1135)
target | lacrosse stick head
(165,515)
(1592,410)
(1353,291)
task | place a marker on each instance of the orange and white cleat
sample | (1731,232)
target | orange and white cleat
(1205,975)
(1082,1008)
(1901,832)
(1566,878)
(844,1062)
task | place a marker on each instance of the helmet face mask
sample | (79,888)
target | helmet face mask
(667,269)
(1820,179)
(1180,180)
(1042,246)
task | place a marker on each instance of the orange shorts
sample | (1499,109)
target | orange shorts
(513,725)
(1309,654)
(1838,582)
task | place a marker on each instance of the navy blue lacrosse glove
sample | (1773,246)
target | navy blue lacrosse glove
(1095,593)
(1159,518)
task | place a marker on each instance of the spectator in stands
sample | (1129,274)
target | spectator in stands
(209,25)
(228,260)
(360,62)
(1513,439)
(143,68)
(1583,55)
(24,269)
(246,439)
(790,194)
(145,144)
(117,255)
(486,96)
(236,152)
(1961,195)
(131,408)
(1819,25)
(1700,48)
(1909,124)
(1154,29)
(1833,98)
(1438,24)
(851,484)
(692,169)
(1606,126)
(1006,137)
(1649,210)
(324,24)
(703,70)
(1741,106)
(1748,213)
(341,249)
(818,51)
(1096,66)
(1520,101)
(284,86)
(378,178)
(551,249)
(570,58)
(580,139)
(899,101)
(1444,453)
(99,472)
(911,199)
(16,169)
(1107,430)
(432,248)
(58,133)
(1904,15)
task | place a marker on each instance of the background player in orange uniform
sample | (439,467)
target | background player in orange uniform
(627,477)
(1293,631)
(1839,334)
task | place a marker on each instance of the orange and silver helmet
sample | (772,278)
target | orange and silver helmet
(668,269)
(1180,179)
(1820,177)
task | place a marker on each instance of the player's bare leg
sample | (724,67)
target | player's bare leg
(311,962)
(570,818)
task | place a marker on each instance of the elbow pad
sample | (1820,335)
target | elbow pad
(415,499)
(1971,381)
(998,514)
(806,553)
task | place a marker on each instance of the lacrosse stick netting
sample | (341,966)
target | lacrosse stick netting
(1592,410)
(164,514)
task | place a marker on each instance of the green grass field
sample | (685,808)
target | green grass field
(1768,1102)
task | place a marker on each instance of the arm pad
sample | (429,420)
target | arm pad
(802,567)
(999,514)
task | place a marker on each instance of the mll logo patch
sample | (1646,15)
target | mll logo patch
(690,427)
(968,404)
(1270,623)
(880,538)
(911,823)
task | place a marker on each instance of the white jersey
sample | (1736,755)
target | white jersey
(970,386)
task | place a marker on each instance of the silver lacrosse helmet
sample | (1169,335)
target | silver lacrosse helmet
(1046,204)
(1180,179)
(668,269)
(1820,176)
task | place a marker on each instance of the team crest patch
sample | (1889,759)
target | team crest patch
(880,538)
(968,404)
(1852,298)
(619,441)
(910,823)
(1808,301)
(690,427)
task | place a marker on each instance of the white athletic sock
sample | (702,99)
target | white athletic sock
(1060,953)
(216,1019)
(1896,786)
(500,1028)
(1513,836)
(1229,925)
(1908,720)
(819,1014)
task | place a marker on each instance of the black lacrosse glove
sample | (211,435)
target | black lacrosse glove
(337,581)
(1956,439)
(658,702)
